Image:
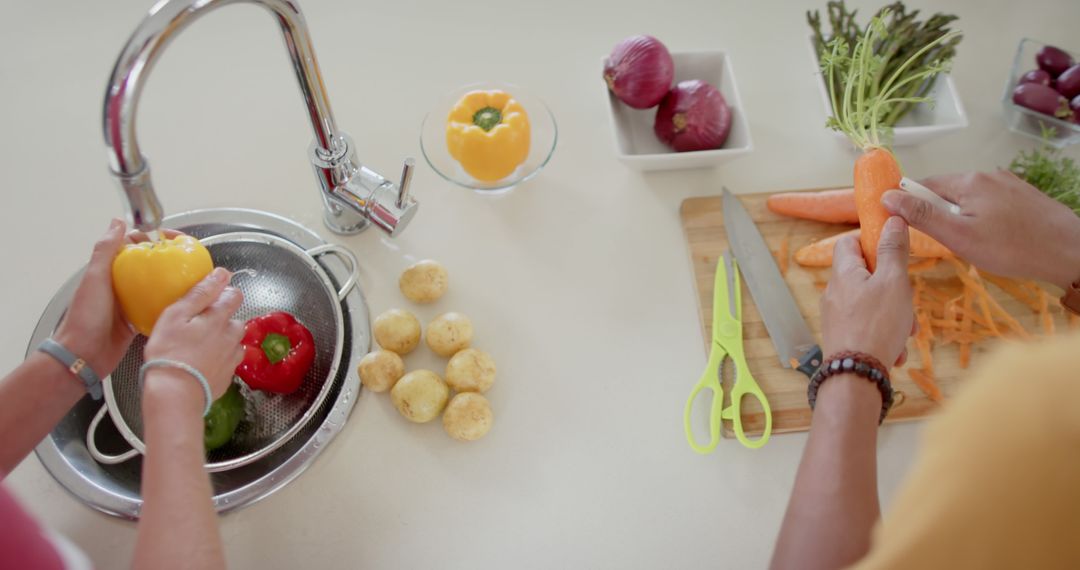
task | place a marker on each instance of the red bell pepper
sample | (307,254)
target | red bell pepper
(278,351)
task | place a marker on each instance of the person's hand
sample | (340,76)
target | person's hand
(868,313)
(1005,225)
(94,328)
(199,331)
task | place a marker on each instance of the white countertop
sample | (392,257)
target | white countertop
(577,282)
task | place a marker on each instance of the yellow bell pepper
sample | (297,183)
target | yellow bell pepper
(150,276)
(487,132)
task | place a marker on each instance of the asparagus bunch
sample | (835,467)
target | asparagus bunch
(905,36)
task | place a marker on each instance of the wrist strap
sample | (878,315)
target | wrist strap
(166,363)
(860,364)
(74,364)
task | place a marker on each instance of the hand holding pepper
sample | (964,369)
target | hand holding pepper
(94,326)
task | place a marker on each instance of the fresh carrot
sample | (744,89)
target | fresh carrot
(829,206)
(820,253)
(876,172)
(860,92)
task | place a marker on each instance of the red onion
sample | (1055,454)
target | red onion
(639,71)
(693,116)
(1053,60)
(1075,106)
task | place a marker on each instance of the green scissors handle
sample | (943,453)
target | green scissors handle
(710,380)
(746,387)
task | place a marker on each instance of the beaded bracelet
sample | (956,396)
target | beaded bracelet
(859,364)
(166,363)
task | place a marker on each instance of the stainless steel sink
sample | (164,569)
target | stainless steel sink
(114,489)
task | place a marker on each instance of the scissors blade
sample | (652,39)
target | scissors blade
(727,311)
(788,330)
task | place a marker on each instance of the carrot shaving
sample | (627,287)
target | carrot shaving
(1044,313)
(1021,291)
(922,266)
(820,285)
(965,328)
(925,381)
(783,253)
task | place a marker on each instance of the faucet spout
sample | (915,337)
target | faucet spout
(331,155)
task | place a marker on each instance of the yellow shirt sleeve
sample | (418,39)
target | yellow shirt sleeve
(998,482)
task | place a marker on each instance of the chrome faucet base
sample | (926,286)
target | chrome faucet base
(353,195)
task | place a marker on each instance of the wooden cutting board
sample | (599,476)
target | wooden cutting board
(703,224)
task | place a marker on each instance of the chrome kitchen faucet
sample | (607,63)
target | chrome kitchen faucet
(353,194)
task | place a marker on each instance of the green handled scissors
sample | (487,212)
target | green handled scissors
(727,341)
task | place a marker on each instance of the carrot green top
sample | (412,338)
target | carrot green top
(867,94)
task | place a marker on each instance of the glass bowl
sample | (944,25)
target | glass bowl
(1025,121)
(542,129)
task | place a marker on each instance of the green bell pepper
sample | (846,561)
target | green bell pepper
(225,414)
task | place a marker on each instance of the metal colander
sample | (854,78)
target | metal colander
(274,275)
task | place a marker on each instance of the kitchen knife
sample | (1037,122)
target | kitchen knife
(795,344)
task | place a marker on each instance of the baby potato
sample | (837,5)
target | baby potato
(420,396)
(449,333)
(424,282)
(468,417)
(397,331)
(380,370)
(470,370)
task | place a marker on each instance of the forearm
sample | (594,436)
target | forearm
(178,527)
(33,398)
(834,505)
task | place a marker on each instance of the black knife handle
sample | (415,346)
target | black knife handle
(811,361)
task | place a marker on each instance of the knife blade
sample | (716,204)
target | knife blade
(787,329)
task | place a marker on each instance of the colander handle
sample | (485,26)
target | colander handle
(350,261)
(96,453)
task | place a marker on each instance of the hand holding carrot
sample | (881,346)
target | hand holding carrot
(1005,225)
(870,313)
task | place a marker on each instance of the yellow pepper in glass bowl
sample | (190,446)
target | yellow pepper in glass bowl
(489,136)
(488,133)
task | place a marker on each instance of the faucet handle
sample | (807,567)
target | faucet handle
(406,181)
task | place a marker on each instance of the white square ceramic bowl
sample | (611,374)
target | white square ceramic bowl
(923,123)
(637,145)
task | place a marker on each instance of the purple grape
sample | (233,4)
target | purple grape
(1053,60)
(1042,99)
(1036,76)
(1068,83)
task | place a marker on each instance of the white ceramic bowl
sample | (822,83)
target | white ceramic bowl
(636,144)
(924,122)
(1025,121)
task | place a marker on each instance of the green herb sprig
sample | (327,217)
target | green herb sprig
(1044,168)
